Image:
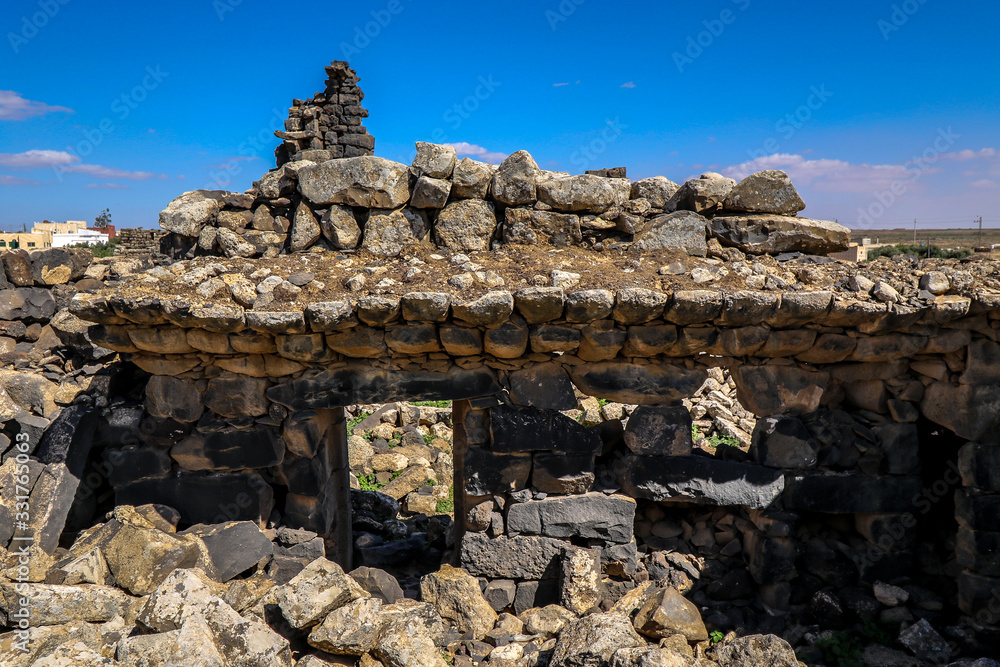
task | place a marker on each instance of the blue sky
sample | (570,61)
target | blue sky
(881,111)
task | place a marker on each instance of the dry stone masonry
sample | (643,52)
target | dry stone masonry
(672,423)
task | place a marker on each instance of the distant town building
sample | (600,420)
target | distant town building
(50,234)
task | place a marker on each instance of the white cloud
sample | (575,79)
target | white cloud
(466,149)
(106,186)
(15,107)
(828,175)
(985,184)
(963,156)
(14,180)
(97,171)
(630,84)
(67,163)
(559,85)
(36,159)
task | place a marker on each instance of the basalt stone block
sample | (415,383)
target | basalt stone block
(173,398)
(490,473)
(330,316)
(535,595)
(589,305)
(511,557)
(377,311)
(743,341)
(771,389)
(500,593)
(695,306)
(562,474)
(770,559)
(528,430)
(527,226)
(977,510)
(205,498)
(649,341)
(636,384)
(747,307)
(695,340)
(461,341)
(980,466)
(829,349)
(413,338)
(701,480)
(638,306)
(425,306)
(546,338)
(970,411)
(307,348)
(507,341)
(890,532)
(230,449)
(538,305)
(850,493)
(230,548)
(798,308)
(977,597)
(340,388)
(601,341)
(17,268)
(69,438)
(305,476)
(131,464)
(783,442)
(544,387)
(659,431)
(489,310)
(359,343)
(900,444)
(978,550)
(237,396)
(593,515)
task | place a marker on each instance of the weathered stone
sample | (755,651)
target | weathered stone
(547,338)
(649,341)
(682,231)
(527,226)
(509,340)
(594,516)
(56,605)
(515,182)
(305,229)
(365,386)
(472,179)
(434,160)
(544,387)
(430,193)
(499,594)
(412,338)
(204,499)
(230,548)
(141,558)
(589,305)
(700,480)
(425,306)
(580,580)
(771,389)
(923,641)
(659,431)
(379,584)
(850,493)
(339,226)
(978,550)
(637,385)
(511,557)
(458,598)
(461,341)
(666,613)
(187,214)
(366,181)
(637,306)
(571,194)
(783,442)
(350,630)
(236,396)
(489,473)
(316,591)
(657,190)
(979,466)
(768,191)
(593,640)
(528,429)
(540,304)
(935,282)
(563,474)
(760,650)
(388,232)
(701,195)
(410,636)
(971,412)
(467,224)
(489,310)
(772,234)
(359,343)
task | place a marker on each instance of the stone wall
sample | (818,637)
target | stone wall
(139,241)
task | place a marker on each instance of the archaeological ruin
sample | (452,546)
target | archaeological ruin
(660,412)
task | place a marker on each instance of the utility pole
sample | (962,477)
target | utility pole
(914,231)
(980,231)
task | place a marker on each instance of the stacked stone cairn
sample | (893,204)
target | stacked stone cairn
(330,125)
